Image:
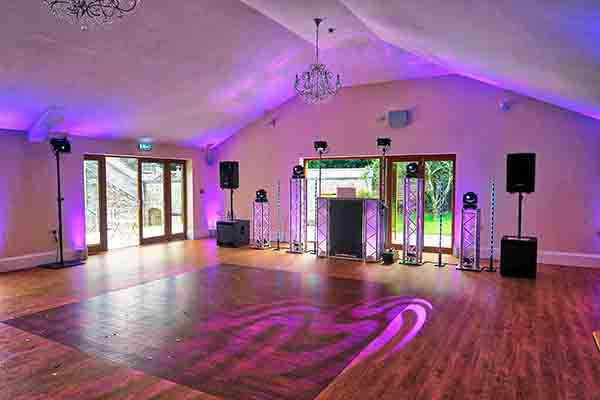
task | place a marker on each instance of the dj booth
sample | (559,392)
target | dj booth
(351,228)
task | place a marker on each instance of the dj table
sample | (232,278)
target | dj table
(351,228)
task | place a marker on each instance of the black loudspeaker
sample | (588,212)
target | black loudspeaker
(233,233)
(520,173)
(230,174)
(518,257)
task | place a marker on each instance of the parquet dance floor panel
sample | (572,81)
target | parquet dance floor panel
(239,332)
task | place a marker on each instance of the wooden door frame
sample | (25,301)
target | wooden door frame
(421,159)
(183,235)
(305,161)
(168,236)
(103,246)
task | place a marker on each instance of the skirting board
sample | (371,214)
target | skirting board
(555,258)
(32,260)
(544,257)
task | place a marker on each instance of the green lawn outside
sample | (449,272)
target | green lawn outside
(432,224)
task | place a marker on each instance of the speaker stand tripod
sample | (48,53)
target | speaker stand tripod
(61,263)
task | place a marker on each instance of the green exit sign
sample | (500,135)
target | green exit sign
(145,146)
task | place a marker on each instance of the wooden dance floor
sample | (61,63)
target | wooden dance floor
(239,332)
(188,320)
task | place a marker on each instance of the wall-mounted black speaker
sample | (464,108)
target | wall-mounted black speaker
(520,173)
(229,174)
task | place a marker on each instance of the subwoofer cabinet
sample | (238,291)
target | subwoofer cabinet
(518,257)
(233,233)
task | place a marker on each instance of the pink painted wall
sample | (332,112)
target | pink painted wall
(28,190)
(451,114)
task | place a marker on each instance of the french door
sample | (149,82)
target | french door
(437,207)
(95,203)
(131,201)
(162,200)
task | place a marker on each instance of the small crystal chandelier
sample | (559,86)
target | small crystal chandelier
(86,13)
(317,85)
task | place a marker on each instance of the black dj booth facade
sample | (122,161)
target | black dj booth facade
(350,228)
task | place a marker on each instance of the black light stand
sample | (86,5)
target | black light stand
(439,263)
(278,247)
(60,146)
(520,215)
(385,144)
(231,204)
(491,267)
(321,147)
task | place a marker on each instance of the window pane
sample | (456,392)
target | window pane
(439,187)
(153,197)
(177,196)
(397,203)
(360,174)
(92,202)
(122,202)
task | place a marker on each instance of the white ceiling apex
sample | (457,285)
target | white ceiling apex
(546,50)
(297,16)
(201,79)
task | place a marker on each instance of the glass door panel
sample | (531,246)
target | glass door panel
(360,174)
(153,199)
(177,171)
(439,198)
(122,202)
(93,215)
(397,200)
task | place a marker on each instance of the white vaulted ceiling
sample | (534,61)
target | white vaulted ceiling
(198,71)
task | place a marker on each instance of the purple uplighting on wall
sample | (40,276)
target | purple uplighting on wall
(76,225)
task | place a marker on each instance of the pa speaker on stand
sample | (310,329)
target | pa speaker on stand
(518,254)
(231,232)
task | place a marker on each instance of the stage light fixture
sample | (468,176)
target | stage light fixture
(298,172)
(321,146)
(412,170)
(60,145)
(470,200)
(384,143)
(261,196)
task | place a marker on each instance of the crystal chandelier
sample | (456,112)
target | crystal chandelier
(86,13)
(317,85)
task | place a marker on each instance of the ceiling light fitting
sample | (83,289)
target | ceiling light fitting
(87,13)
(317,85)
